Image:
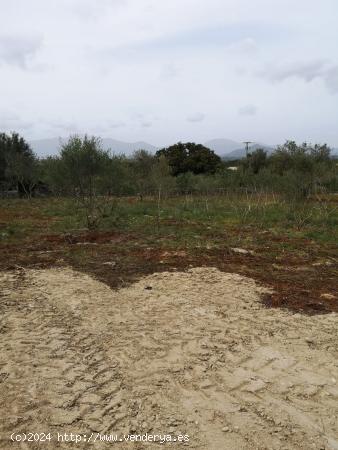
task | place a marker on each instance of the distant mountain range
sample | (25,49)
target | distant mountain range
(241,152)
(49,147)
(222,146)
(226,148)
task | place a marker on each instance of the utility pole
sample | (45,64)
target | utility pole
(247,147)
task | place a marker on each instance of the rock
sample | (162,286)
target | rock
(109,263)
(327,296)
(225,429)
(241,251)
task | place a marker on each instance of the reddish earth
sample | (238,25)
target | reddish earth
(301,281)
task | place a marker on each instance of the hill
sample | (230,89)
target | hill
(222,146)
(47,147)
(240,152)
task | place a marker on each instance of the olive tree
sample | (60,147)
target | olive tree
(83,165)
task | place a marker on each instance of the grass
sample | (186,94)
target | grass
(144,236)
(188,219)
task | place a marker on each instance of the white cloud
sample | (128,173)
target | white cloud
(116,124)
(247,46)
(196,117)
(168,72)
(306,71)
(146,124)
(65,127)
(331,79)
(19,50)
(10,121)
(177,63)
(90,10)
(247,110)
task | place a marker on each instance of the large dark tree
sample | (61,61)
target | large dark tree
(18,164)
(190,157)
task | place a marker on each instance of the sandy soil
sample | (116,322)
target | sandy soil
(182,353)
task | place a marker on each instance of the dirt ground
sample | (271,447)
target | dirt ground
(194,353)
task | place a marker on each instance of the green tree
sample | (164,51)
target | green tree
(291,156)
(186,182)
(119,176)
(161,177)
(305,166)
(142,163)
(190,157)
(18,164)
(52,175)
(82,167)
(3,161)
(257,160)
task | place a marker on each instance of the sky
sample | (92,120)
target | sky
(164,71)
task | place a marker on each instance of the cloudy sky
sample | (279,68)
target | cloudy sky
(169,70)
